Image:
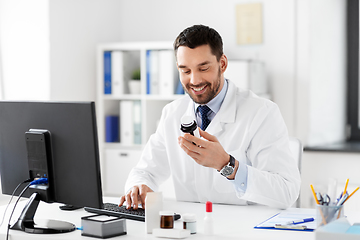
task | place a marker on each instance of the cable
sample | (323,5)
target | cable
(34,182)
(39,181)
(17,200)
(12,195)
(31,182)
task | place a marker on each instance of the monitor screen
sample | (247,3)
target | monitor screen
(75,167)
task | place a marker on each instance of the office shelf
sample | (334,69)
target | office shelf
(131,56)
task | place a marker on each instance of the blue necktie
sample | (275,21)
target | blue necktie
(204,111)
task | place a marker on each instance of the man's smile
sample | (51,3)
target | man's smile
(199,90)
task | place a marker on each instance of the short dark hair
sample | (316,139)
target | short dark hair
(199,35)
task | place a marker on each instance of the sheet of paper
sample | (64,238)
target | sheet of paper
(286,216)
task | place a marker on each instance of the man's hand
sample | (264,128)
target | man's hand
(208,153)
(135,196)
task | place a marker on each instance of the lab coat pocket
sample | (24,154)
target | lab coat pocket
(221,183)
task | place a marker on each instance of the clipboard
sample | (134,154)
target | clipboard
(277,222)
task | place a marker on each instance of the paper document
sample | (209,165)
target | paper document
(282,219)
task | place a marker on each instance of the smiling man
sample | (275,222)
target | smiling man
(243,154)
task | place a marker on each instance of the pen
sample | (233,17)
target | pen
(300,221)
(342,199)
(351,194)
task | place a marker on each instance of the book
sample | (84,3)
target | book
(152,72)
(117,73)
(107,72)
(148,55)
(137,122)
(127,122)
(166,72)
(112,129)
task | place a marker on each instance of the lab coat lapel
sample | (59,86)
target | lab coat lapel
(226,113)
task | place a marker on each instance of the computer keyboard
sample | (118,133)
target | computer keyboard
(112,209)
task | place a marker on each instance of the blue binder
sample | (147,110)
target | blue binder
(107,72)
(112,129)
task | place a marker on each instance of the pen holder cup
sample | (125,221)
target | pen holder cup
(326,214)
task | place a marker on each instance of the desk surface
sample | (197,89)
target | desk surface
(232,222)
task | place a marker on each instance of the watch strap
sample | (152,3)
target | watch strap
(232,161)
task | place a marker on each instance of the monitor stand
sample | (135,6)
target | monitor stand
(68,207)
(26,220)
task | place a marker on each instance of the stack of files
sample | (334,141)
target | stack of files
(113,73)
(130,124)
(338,229)
(160,72)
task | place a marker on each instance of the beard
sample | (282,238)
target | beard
(211,91)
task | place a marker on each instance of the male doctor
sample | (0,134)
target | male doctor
(243,154)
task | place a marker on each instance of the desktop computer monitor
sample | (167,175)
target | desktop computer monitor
(52,140)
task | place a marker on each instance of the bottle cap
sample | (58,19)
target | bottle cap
(208,206)
(187,120)
(166,213)
(188,217)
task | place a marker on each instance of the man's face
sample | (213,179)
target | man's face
(200,73)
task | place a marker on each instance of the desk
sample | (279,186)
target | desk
(232,222)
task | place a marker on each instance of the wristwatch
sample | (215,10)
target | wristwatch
(228,169)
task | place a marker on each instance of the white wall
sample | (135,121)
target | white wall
(76,27)
(24,39)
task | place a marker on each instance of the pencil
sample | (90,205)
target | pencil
(313,191)
(351,194)
(346,184)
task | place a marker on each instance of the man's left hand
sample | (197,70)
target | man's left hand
(207,152)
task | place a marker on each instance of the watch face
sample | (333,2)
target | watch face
(227,171)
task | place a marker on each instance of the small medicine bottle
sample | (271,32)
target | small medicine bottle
(188,125)
(208,220)
(166,219)
(189,222)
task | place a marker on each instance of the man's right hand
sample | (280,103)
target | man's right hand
(135,196)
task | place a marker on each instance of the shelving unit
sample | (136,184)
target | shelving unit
(117,158)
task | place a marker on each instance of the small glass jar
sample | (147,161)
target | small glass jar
(189,222)
(166,219)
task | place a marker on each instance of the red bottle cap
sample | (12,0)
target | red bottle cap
(208,206)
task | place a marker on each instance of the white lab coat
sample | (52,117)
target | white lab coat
(249,128)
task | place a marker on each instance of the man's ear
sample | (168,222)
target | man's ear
(223,63)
